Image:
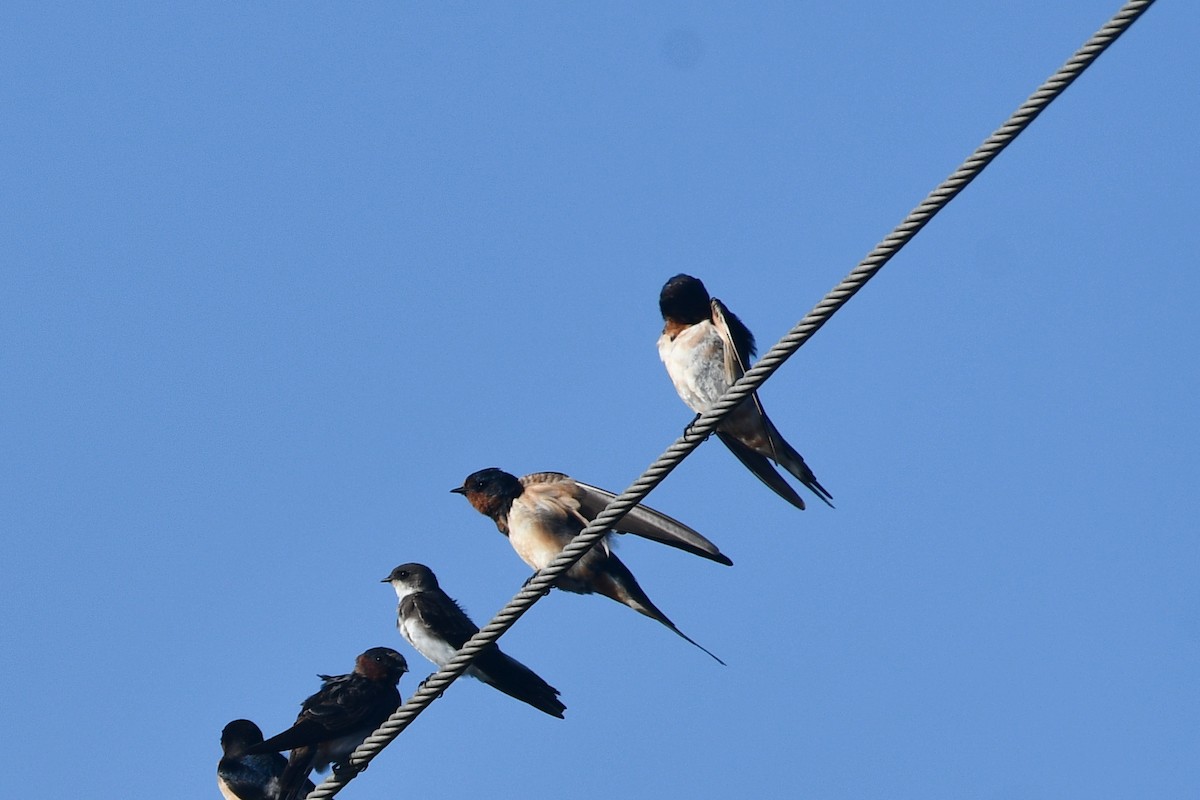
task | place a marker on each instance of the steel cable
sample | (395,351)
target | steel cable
(542,581)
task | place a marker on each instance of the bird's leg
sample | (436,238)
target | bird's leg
(529,580)
(687,430)
(421,685)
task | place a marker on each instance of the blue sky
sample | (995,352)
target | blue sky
(278,276)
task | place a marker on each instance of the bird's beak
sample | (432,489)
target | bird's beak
(458,490)
(386,580)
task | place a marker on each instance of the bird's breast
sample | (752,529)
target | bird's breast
(695,361)
(537,536)
(436,649)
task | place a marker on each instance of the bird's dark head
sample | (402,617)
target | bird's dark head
(381,664)
(240,735)
(490,490)
(412,577)
(684,300)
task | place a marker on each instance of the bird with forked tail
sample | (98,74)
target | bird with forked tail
(706,348)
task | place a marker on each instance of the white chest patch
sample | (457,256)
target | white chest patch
(433,648)
(695,360)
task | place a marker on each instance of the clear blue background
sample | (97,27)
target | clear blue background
(276,276)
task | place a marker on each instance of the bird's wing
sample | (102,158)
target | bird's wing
(649,524)
(443,616)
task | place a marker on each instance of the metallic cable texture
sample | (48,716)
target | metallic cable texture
(541,582)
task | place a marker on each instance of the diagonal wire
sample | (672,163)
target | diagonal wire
(542,581)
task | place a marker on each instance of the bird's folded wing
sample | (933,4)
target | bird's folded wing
(650,524)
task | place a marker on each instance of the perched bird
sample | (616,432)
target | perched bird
(706,348)
(437,627)
(249,777)
(542,512)
(345,711)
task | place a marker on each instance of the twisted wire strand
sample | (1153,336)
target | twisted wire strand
(542,581)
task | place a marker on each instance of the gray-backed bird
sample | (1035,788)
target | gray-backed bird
(436,626)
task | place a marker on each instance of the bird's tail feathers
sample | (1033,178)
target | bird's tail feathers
(787,457)
(624,588)
(294,783)
(760,465)
(521,683)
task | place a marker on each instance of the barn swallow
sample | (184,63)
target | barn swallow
(246,777)
(344,711)
(542,512)
(705,348)
(437,627)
